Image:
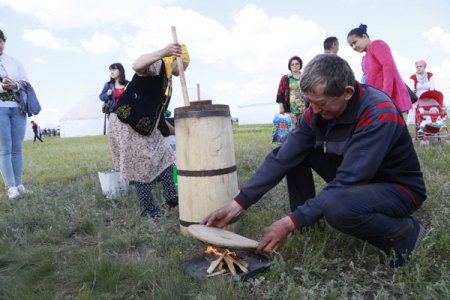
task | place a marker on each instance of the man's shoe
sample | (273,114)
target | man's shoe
(403,254)
(13,192)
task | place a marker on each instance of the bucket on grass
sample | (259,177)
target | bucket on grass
(206,165)
(112,184)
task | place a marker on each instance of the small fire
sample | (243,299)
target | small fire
(225,262)
(214,251)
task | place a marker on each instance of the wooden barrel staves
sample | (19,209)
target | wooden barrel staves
(206,165)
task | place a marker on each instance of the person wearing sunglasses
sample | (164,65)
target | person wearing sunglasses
(419,82)
(289,96)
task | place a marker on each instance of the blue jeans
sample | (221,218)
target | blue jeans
(379,213)
(12,133)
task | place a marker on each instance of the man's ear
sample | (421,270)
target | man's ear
(348,92)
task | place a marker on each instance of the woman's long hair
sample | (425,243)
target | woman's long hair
(122,78)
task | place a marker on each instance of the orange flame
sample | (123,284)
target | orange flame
(213,251)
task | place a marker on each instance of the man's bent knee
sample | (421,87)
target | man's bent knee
(339,213)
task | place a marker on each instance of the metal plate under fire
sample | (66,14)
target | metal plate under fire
(197,266)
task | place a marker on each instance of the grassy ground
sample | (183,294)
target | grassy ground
(66,241)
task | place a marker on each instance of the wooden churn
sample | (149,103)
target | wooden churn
(206,165)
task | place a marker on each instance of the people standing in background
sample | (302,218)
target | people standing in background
(331,45)
(114,88)
(36,132)
(289,95)
(379,67)
(138,127)
(419,82)
(12,123)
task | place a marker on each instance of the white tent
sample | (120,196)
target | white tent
(84,118)
(261,113)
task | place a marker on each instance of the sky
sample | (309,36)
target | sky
(239,49)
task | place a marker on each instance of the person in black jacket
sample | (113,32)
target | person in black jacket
(355,138)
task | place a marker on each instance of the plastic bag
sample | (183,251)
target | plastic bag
(282,124)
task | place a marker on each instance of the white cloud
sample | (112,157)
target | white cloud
(240,61)
(254,41)
(225,86)
(438,36)
(57,14)
(442,79)
(39,60)
(45,39)
(252,54)
(100,43)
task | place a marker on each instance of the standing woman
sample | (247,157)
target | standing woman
(138,127)
(114,88)
(289,95)
(379,67)
(12,122)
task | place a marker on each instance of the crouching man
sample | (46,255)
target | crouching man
(355,138)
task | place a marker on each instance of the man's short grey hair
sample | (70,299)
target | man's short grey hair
(329,70)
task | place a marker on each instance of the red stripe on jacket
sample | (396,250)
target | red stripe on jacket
(393,116)
(307,115)
(390,116)
(409,194)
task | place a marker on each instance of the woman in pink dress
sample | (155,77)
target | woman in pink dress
(379,66)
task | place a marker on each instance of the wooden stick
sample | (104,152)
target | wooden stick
(222,271)
(241,262)
(215,263)
(229,262)
(181,70)
(241,266)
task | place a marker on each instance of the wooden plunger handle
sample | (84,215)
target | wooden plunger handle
(181,70)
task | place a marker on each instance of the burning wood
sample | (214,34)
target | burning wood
(225,262)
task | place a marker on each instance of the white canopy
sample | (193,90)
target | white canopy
(84,118)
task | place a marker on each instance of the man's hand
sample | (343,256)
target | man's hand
(109,92)
(276,235)
(221,217)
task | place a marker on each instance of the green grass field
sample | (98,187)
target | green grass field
(67,241)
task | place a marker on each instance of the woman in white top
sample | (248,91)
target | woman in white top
(12,122)
(419,82)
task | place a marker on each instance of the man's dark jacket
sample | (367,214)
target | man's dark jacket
(370,140)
